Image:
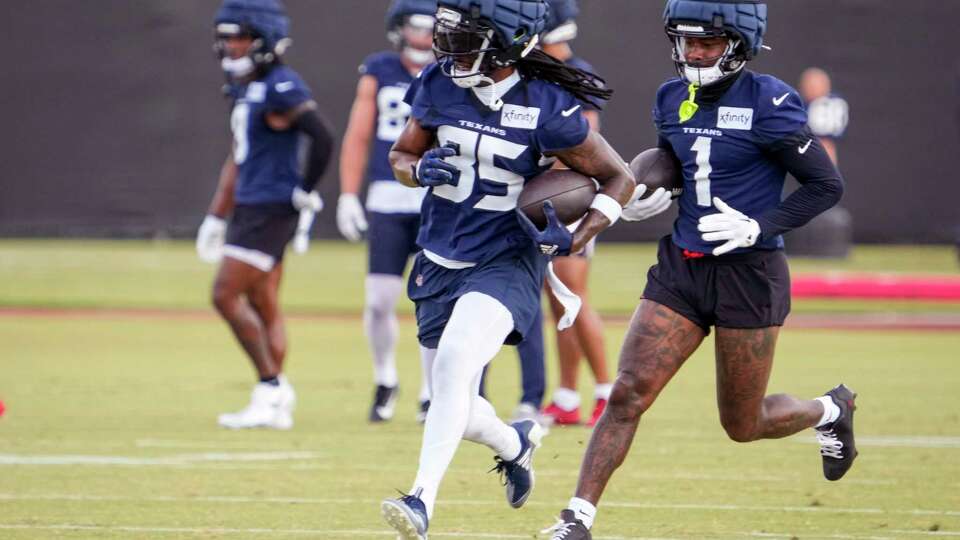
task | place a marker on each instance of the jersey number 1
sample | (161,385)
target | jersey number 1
(702,176)
(480,150)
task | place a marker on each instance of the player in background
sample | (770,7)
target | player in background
(736,134)
(585,337)
(828,114)
(376,120)
(261,192)
(492,114)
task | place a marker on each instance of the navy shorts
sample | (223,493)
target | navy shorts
(740,290)
(514,278)
(392,239)
(258,233)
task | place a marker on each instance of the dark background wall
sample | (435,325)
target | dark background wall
(115,124)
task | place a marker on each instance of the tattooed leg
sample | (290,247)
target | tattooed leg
(744,360)
(658,342)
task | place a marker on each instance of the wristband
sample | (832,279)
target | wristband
(608,206)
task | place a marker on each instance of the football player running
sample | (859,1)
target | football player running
(492,114)
(378,116)
(736,134)
(263,192)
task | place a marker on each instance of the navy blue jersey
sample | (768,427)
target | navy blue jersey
(499,151)
(582,64)
(393,80)
(723,150)
(267,159)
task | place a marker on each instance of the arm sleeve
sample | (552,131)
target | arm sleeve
(821,185)
(321,147)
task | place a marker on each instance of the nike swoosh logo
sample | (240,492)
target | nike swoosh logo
(803,149)
(778,101)
(570,111)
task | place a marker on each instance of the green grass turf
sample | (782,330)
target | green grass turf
(329,279)
(150,388)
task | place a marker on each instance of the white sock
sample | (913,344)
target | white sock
(583,510)
(831,411)
(487,429)
(566,398)
(472,337)
(426,368)
(602,391)
(380,325)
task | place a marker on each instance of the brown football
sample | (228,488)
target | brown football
(656,168)
(570,192)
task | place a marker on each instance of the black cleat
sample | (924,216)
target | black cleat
(836,438)
(568,527)
(422,411)
(383,403)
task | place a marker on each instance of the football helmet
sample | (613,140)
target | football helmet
(472,38)
(265,21)
(411,16)
(742,22)
(561,23)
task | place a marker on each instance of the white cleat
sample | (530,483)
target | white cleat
(270,407)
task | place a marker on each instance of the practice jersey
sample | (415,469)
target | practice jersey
(267,160)
(722,149)
(828,116)
(499,151)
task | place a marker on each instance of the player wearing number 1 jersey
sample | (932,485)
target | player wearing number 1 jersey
(492,114)
(736,134)
(377,118)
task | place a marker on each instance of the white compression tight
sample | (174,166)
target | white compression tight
(380,325)
(473,336)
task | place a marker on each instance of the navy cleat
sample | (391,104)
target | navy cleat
(384,400)
(568,527)
(836,438)
(517,474)
(422,411)
(408,515)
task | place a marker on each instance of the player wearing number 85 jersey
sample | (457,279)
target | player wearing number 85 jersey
(492,114)
(736,134)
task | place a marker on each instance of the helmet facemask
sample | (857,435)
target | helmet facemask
(710,70)
(405,37)
(258,54)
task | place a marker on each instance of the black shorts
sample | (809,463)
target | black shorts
(258,234)
(391,240)
(740,290)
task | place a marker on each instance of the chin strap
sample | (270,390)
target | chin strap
(689,107)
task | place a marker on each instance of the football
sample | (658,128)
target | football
(656,168)
(570,192)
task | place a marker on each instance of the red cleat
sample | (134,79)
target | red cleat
(597,412)
(562,417)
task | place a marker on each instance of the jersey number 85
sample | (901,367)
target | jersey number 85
(476,160)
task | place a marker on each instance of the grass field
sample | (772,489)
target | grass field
(110,424)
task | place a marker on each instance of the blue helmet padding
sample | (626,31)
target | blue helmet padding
(268,18)
(400,9)
(745,18)
(508,17)
(560,12)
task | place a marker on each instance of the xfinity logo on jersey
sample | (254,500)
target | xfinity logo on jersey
(735,118)
(515,116)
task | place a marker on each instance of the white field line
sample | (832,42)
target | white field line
(927,533)
(320,533)
(455,502)
(174,460)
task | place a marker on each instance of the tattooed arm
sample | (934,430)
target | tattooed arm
(595,157)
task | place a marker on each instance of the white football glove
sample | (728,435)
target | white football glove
(301,200)
(640,209)
(210,239)
(730,226)
(351,219)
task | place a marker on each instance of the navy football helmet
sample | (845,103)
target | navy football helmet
(561,23)
(264,21)
(742,22)
(414,16)
(475,37)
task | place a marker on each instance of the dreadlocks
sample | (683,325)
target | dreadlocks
(585,86)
